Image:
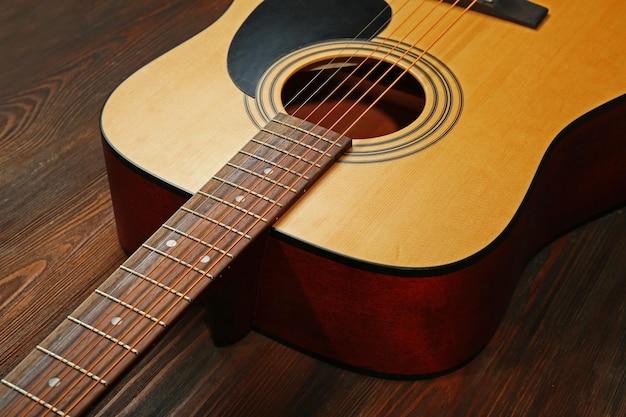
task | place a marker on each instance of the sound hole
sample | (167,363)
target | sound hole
(360,98)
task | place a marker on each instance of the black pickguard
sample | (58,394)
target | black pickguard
(277,27)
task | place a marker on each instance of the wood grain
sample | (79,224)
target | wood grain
(561,350)
(512,110)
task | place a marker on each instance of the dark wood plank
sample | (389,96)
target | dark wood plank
(561,350)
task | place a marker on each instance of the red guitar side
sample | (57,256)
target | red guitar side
(393,321)
(383,318)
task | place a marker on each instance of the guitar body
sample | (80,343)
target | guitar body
(401,260)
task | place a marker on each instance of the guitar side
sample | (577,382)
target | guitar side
(393,319)
(403,319)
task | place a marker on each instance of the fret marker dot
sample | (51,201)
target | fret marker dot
(54,382)
(239,198)
(171,243)
(267,171)
(205,259)
(116,320)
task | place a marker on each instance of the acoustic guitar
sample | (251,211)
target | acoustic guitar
(362,181)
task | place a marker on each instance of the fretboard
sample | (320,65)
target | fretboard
(123,317)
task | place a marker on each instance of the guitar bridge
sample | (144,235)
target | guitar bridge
(522,12)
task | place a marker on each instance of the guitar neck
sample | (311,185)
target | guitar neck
(131,309)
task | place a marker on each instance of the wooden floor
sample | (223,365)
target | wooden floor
(561,350)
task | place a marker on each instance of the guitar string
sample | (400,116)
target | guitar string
(359,48)
(371,105)
(405,71)
(360,33)
(357,36)
(137,301)
(390,86)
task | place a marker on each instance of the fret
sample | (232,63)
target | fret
(47,380)
(157,295)
(126,313)
(101,336)
(302,134)
(298,143)
(273,189)
(328,137)
(131,308)
(233,206)
(296,165)
(104,335)
(179,261)
(336,143)
(72,365)
(247,191)
(248,196)
(131,319)
(219,198)
(274,164)
(262,177)
(248,199)
(286,152)
(32,397)
(198,240)
(155,282)
(200,253)
(218,223)
(169,260)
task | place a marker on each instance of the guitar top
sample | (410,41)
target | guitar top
(433,193)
